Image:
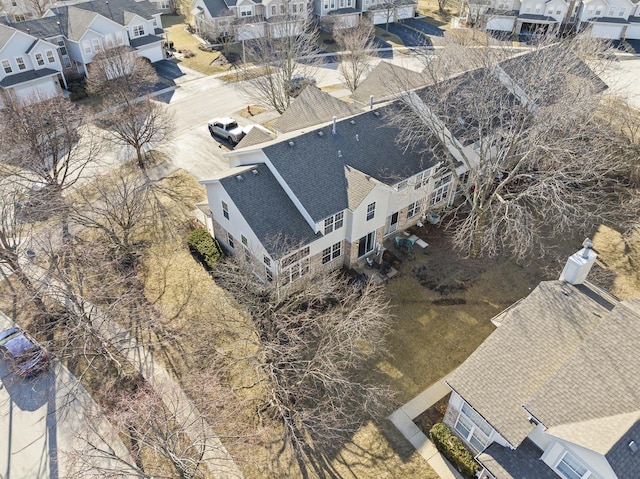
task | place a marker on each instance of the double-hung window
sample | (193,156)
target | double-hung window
(295,266)
(421,179)
(50,57)
(138,30)
(231,241)
(333,222)
(39,59)
(21,64)
(413,209)
(6,66)
(331,253)
(371,211)
(441,189)
(225,210)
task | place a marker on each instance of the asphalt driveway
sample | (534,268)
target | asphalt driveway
(409,37)
(423,26)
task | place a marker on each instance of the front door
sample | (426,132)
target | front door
(392,224)
(366,244)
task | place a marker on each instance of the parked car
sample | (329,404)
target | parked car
(226,128)
(299,83)
(26,357)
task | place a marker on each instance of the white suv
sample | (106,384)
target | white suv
(226,128)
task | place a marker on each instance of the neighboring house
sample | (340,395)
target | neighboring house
(30,68)
(389,11)
(554,391)
(250,19)
(324,198)
(80,31)
(607,19)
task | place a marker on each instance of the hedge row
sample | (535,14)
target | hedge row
(201,242)
(453,449)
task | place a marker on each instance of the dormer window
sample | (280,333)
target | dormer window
(138,30)
(50,57)
(39,59)
(570,468)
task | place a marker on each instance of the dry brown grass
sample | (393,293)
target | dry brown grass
(182,40)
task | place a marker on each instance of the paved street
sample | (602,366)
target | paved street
(623,78)
(41,419)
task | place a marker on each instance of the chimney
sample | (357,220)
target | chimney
(579,264)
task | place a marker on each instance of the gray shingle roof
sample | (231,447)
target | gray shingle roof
(617,20)
(386,80)
(74,19)
(311,108)
(23,77)
(625,464)
(46,27)
(522,463)
(530,68)
(216,8)
(115,9)
(5,34)
(314,166)
(254,137)
(581,389)
(267,208)
(537,18)
(359,186)
(517,359)
(146,40)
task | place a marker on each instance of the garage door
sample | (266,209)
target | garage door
(405,12)
(610,32)
(153,52)
(633,32)
(500,24)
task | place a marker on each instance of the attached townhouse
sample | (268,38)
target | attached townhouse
(249,19)
(35,54)
(31,67)
(330,195)
(554,391)
(324,198)
(606,19)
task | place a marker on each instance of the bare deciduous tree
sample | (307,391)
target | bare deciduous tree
(357,47)
(166,436)
(311,349)
(46,142)
(527,130)
(39,7)
(287,50)
(130,117)
(119,73)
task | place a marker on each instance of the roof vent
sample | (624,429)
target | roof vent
(357,137)
(353,122)
(255,172)
(239,177)
(339,153)
(291,143)
(633,446)
(376,113)
(334,125)
(321,133)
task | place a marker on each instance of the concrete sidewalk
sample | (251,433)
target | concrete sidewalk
(403,418)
